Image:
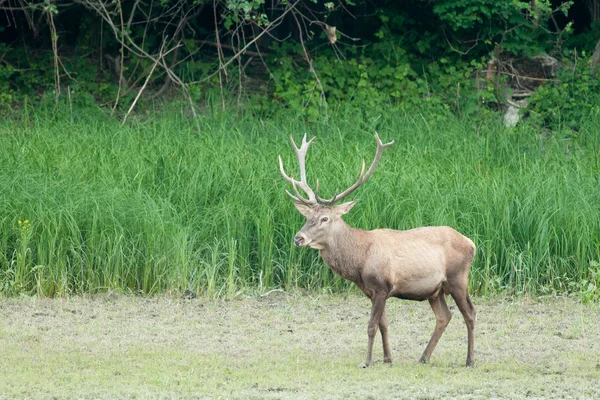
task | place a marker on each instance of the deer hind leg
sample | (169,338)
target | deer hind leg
(442,319)
(383,328)
(377,310)
(464,304)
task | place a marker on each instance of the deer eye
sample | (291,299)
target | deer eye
(324,219)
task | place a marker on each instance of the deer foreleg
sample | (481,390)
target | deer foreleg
(377,310)
(383,328)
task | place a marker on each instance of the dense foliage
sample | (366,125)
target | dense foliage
(306,56)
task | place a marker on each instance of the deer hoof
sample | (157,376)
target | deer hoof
(470,362)
(363,365)
(387,360)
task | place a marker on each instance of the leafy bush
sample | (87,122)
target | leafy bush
(571,100)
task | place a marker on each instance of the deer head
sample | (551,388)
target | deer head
(321,223)
(323,219)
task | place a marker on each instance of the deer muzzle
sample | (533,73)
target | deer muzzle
(300,240)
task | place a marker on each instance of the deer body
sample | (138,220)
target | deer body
(411,263)
(425,263)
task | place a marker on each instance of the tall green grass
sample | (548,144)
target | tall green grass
(155,206)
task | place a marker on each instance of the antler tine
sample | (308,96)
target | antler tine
(298,196)
(302,184)
(363,177)
(379,143)
(292,196)
(301,154)
(326,202)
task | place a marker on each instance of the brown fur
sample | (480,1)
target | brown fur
(418,264)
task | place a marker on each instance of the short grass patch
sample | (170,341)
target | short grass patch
(288,346)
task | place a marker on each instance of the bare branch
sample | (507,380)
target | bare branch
(310,65)
(132,14)
(159,57)
(224,46)
(128,43)
(272,25)
(121,57)
(54,39)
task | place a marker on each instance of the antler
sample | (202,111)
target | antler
(302,184)
(361,179)
(313,197)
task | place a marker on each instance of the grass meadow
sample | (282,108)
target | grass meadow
(291,346)
(155,206)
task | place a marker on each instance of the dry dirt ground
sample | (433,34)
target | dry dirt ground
(291,346)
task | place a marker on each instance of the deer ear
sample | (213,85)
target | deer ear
(344,208)
(303,208)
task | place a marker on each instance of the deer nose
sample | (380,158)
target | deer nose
(298,240)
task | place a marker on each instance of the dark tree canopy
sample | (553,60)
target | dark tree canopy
(302,54)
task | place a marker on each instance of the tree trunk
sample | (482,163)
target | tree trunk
(596,57)
(594,9)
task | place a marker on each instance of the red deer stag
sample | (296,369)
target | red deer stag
(417,264)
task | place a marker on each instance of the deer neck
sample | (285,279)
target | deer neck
(345,251)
